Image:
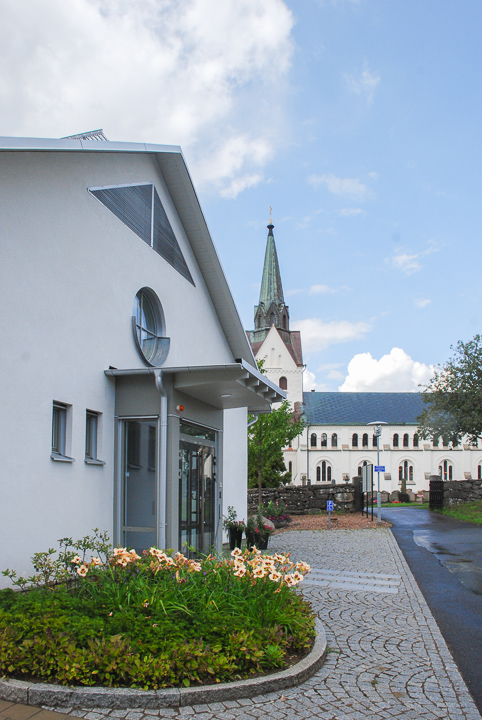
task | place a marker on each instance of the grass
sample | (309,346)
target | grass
(469,512)
(154,621)
(423,506)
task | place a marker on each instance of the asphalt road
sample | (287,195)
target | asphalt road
(445,556)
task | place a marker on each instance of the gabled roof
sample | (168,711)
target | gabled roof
(361,408)
(181,189)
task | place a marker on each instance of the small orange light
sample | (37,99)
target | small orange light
(180,408)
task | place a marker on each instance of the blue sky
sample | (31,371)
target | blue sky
(359,122)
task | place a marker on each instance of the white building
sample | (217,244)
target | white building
(338,439)
(126,373)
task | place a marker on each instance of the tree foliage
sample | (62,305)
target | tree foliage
(266,439)
(453,397)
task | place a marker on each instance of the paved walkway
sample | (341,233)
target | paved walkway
(387,657)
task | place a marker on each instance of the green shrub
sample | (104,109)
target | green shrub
(153,621)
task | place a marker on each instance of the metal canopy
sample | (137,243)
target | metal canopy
(222,386)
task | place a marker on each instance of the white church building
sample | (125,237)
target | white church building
(126,373)
(338,438)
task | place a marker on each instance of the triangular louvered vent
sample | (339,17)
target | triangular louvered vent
(140,208)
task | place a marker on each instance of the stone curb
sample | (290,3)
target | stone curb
(20,691)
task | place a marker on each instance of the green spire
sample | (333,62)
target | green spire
(271,309)
(271,288)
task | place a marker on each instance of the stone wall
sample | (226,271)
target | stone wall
(457,492)
(310,498)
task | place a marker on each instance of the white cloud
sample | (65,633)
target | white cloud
(341,186)
(395,372)
(310,383)
(421,302)
(351,212)
(317,334)
(151,70)
(325,289)
(409,263)
(364,84)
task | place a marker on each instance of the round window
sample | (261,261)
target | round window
(148,326)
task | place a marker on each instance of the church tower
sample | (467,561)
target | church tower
(272,340)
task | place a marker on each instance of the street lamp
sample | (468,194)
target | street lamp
(377,431)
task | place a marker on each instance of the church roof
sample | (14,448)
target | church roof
(361,408)
(271,288)
(292,344)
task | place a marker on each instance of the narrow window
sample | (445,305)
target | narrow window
(328,473)
(323,471)
(91,434)
(354,440)
(405,440)
(313,440)
(395,440)
(415,440)
(317,473)
(365,440)
(479,472)
(283,383)
(151,448)
(334,440)
(324,440)
(374,441)
(59,428)
(290,467)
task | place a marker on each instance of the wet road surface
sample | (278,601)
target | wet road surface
(445,556)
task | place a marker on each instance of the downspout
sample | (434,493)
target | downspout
(161,505)
(308,455)
(256,418)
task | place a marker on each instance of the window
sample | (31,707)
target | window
(364,464)
(283,383)
(365,440)
(479,472)
(324,440)
(148,325)
(59,432)
(405,440)
(313,440)
(354,440)
(405,470)
(91,435)
(395,440)
(334,440)
(415,440)
(290,468)
(139,207)
(323,472)
(446,470)
(374,441)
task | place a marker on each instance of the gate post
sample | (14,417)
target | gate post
(436,498)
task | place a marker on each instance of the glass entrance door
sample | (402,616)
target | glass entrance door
(197,491)
(139,474)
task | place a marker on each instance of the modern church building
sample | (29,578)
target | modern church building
(126,373)
(339,438)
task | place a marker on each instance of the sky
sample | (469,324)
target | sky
(357,121)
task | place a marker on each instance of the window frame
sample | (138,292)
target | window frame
(92,437)
(60,432)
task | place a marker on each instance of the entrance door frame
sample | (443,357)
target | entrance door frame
(119,481)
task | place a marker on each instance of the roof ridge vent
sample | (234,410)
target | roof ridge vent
(90,135)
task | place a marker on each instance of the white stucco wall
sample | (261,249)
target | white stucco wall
(69,273)
(235,463)
(279,363)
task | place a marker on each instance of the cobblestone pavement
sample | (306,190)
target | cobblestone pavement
(387,657)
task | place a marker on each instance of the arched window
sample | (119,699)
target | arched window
(374,441)
(324,440)
(354,440)
(284,321)
(272,319)
(290,467)
(364,463)
(479,472)
(334,440)
(405,470)
(283,383)
(313,440)
(395,440)
(323,471)
(365,440)
(405,440)
(446,470)
(415,440)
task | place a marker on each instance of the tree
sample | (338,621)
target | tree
(453,397)
(266,439)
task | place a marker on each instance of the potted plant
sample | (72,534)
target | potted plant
(257,533)
(234,527)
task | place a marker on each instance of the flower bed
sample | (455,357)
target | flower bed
(152,621)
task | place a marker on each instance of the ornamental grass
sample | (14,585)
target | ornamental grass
(154,620)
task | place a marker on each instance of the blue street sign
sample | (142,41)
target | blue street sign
(379,468)
(329,505)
